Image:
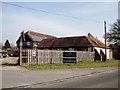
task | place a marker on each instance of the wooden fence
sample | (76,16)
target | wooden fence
(52,56)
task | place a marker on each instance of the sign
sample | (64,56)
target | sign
(33,53)
(69,60)
(69,57)
(69,54)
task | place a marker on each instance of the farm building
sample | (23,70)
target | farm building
(31,39)
(77,43)
(116,51)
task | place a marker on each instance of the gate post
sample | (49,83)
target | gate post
(28,53)
(20,51)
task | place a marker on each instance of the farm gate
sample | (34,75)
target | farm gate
(51,56)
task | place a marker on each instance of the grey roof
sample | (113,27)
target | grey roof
(35,36)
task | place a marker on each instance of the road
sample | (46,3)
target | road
(101,80)
(77,78)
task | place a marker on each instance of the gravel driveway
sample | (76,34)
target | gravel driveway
(9,63)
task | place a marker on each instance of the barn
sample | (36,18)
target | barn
(77,43)
(30,39)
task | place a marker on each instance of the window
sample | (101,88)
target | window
(35,43)
(28,43)
(71,49)
(89,49)
(38,43)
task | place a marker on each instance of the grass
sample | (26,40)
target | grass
(82,64)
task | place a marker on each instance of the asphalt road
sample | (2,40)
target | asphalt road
(101,80)
(77,78)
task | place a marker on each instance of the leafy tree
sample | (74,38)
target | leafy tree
(114,33)
(7,44)
(113,37)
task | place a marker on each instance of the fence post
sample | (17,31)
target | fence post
(42,54)
(38,56)
(28,56)
(51,57)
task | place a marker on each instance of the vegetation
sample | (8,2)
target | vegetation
(114,33)
(7,44)
(82,64)
(113,37)
(10,49)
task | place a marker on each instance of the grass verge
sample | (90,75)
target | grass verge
(82,64)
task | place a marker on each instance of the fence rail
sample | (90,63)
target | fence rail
(52,56)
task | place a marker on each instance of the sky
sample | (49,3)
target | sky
(61,19)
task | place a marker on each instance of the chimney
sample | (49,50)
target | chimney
(90,35)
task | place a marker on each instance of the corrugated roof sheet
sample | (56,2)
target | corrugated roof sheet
(35,36)
(81,41)
(95,42)
(38,36)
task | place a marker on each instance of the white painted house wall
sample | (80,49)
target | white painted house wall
(108,51)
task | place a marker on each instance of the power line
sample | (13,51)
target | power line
(58,14)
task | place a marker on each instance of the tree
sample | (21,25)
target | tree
(113,36)
(7,44)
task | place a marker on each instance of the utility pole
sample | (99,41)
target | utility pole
(105,41)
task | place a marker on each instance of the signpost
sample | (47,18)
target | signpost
(33,53)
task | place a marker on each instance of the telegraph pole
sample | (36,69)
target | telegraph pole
(105,41)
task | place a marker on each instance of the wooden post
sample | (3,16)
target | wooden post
(38,57)
(28,56)
(21,51)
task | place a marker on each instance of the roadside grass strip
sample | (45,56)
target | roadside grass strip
(81,64)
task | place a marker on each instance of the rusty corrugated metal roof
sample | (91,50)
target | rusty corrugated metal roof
(80,41)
